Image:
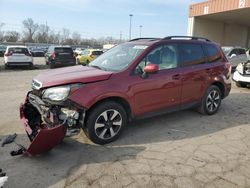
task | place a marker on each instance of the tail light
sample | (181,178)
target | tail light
(229,66)
(53,56)
(8,54)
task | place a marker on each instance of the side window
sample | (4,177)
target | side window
(191,54)
(242,51)
(164,56)
(213,54)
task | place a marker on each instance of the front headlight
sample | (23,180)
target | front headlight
(60,93)
(240,68)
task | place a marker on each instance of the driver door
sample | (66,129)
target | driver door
(161,90)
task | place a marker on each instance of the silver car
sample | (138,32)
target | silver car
(235,55)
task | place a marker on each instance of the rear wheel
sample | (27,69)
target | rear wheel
(211,101)
(106,122)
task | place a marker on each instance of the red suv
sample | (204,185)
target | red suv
(140,78)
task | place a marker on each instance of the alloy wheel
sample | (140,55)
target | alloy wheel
(213,101)
(108,124)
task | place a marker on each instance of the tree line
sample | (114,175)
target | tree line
(42,33)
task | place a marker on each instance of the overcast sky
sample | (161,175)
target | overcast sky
(97,18)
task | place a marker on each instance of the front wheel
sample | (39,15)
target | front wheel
(211,101)
(106,122)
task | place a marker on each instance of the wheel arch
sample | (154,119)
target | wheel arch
(124,103)
(221,87)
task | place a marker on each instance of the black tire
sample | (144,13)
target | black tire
(211,101)
(52,65)
(239,84)
(31,66)
(104,120)
(6,66)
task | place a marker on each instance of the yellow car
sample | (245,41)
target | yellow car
(87,56)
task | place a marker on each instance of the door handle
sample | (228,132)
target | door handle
(176,77)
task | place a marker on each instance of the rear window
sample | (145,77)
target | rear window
(63,50)
(97,52)
(18,50)
(212,52)
(191,54)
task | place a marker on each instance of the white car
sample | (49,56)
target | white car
(235,55)
(17,56)
(242,75)
(79,50)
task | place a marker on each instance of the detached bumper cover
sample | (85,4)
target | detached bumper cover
(241,78)
(44,137)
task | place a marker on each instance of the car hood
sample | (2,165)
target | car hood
(75,74)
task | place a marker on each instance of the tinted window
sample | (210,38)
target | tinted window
(63,50)
(18,50)
(97,52)
(191,54)
(212,52)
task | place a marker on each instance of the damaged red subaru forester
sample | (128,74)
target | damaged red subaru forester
(139,78)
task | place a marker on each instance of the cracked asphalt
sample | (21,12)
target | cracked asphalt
(183,149)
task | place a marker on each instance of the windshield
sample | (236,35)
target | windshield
(118,57)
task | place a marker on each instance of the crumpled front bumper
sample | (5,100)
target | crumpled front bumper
(43,137)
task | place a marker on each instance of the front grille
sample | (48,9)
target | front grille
(36,84)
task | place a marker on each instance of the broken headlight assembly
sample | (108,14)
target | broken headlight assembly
(47,116)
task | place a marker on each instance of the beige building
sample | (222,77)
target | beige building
(224,21)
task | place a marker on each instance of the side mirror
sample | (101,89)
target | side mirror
(233,55)
(151,68)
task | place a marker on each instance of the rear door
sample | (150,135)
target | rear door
(194,72)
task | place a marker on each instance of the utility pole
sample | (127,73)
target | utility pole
(140,30)
(130,23)
(120,36)
(47,33)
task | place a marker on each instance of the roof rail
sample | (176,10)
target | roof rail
(144,39)
(186,37)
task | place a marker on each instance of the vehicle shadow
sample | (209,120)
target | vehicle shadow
(75,153)
(50,168)
(234,111)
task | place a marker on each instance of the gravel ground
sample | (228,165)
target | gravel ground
(183,149)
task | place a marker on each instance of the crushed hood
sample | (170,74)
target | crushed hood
(75,74)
